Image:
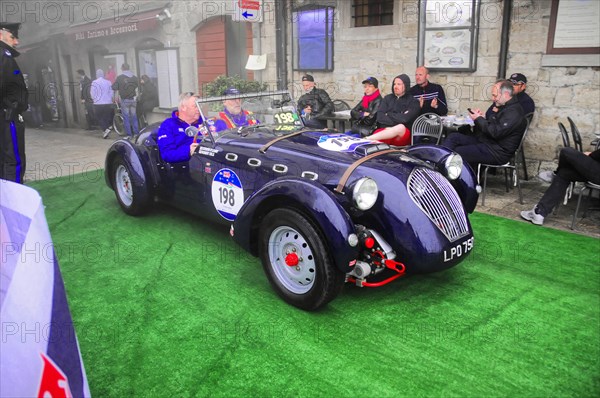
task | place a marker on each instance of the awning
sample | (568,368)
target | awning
(127,24)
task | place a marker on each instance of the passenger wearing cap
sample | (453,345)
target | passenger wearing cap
(13,102)
(233,116)
(363,115)
(174,144)
(315,102)
(431,96)
(396,114)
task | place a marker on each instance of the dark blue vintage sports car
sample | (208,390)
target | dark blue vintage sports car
(320,208)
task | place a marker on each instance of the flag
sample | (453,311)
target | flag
(39,351)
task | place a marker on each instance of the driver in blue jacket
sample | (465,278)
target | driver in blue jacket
(173,143)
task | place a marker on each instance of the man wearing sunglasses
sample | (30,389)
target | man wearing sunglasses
(519,82)
(13,102)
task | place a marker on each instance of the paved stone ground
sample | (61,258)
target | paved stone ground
(55,152)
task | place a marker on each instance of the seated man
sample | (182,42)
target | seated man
(431,96)
(519,82)
(396,114)
(313,103)
(173,143)
(362,116)
(233,115)
(496,139)
(572,166)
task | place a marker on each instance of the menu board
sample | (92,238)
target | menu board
(448,34)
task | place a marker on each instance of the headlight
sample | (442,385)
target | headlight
(453,165)
(365,193)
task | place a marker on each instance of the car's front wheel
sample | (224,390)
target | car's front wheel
(296,260)
(133,198)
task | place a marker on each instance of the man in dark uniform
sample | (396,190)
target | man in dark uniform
(13,101)
(315,102)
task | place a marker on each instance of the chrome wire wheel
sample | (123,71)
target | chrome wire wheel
(292,260)
(123,185)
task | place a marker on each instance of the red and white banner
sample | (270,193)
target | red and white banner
(39,351)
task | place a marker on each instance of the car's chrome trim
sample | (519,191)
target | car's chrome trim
(280,168)
(253,162)
(311,175)
(434,194)
(232,157)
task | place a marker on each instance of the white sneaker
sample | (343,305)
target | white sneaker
(531,215)
(106,133)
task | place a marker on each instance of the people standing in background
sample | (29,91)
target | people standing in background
(126,86)
(111,74)
(431,96)
(147,99)
(34,99)
(85,86)
(102,95)
(13,102)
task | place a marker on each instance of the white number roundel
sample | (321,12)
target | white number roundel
(227,193)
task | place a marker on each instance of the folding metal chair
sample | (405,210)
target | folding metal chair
(427,128)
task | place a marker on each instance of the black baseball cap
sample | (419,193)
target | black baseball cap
(308,78)
(517,78)
(12,27)
(371,80)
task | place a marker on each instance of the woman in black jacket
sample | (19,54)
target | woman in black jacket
(363,115)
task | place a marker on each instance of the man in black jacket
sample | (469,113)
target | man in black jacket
(396,114)
(572,166)
(126,84)
(431,96)
(13,102)
(497,138)
(363,115)
(315,102)
(85,85)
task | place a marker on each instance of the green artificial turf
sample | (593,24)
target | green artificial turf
(167,305)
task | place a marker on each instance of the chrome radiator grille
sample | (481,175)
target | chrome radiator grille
(433,193)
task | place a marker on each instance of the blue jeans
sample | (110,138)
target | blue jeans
(129,116)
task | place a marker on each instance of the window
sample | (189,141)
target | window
(373,12)
(312,32)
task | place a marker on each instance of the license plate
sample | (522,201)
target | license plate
(459,250)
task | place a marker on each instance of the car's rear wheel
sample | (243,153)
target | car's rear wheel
(132,197)
(296,260)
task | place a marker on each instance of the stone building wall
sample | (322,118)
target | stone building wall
(558,91)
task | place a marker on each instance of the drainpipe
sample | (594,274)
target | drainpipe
(281,43)
(506,19)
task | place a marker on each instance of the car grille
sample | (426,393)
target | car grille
(434,194)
